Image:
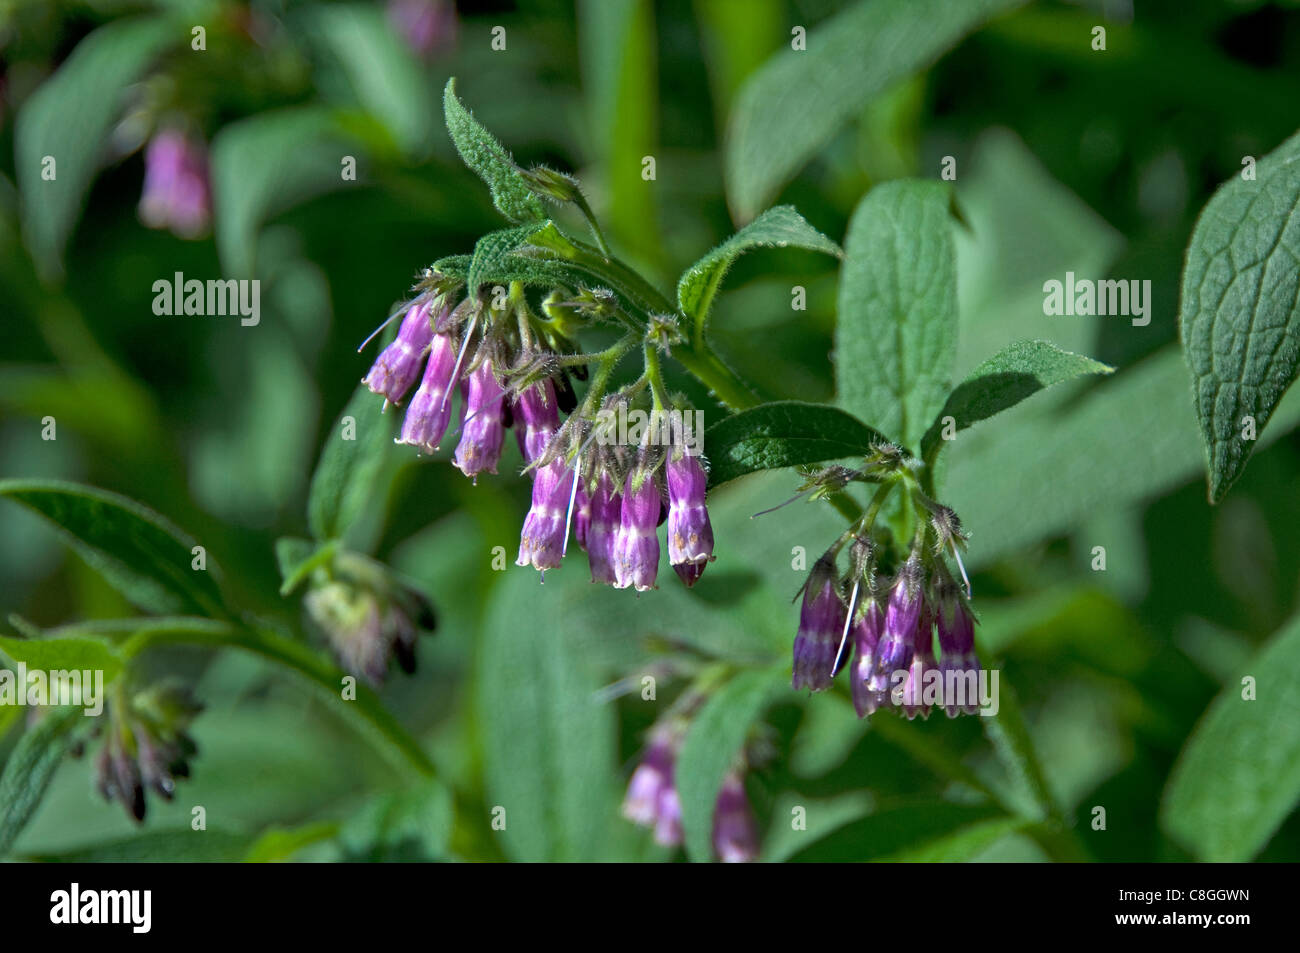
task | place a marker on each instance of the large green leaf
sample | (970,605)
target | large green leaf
(796,103)
(403,826)
(1004,380)
(63,655)
(786,433)
(897,327)
(382,69)
(141,554)
(715,739)
(67,119)
(1239,774)
(780,227)
(1240,311)
(487,157)
(354,456)
(916,832)
(264,164)
(30,767)
(548,743)
(1014,486)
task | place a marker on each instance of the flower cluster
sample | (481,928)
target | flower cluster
(145,745)
(882,625)
(514,369)
(652,800)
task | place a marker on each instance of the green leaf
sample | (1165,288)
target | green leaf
(279,843)
(796,103)
(182,845)
(382,69)
(1240,312)
(356,449)
(30,767)
(494,253)
(297,558)
(1009,735)
(141,555)
(914,832)
(1014,486)
(1004,380)
(487,157)
(65,654)
(262,166)
(407,826)
(780,227)
(1238,776)
(549,745)
(716,736)
(896,333)
(67,118)
(786,433)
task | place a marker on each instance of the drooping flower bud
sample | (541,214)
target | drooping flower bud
(537,417)
(903,612)
(735,831)
(430,409)
(636,544)
(959,663)
(581,514)
(606,513)
(484,431)
(398,365)
(652,799)
(690,534)
(923,670)
(821,626)
(541,543)
(146,746)
(176,192)
(866,636)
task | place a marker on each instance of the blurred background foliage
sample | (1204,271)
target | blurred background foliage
(1067,159)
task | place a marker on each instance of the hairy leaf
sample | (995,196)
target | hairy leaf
(1004,380)
(30,767)
(1240,311)
(140,554)
(780,227)
(487,157)
(356,449)
(783,434)
(895,339)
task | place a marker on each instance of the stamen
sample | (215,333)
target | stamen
(387,321)
(778,506)
(455,371)
(848,623)
(964,578)
(568,517)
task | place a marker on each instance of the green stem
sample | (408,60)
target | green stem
(367,707)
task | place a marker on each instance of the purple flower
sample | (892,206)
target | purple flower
(541,544)
(866,635)
(397,366)
(537,416)
(821,626)
(581,514)
(735,832)
(959,664)
(636,544)
(652,799)
(426,25)
(484,431)
(923,669)
(690,534)
(430,409)
(175,192)
(894,651)
(606,513)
